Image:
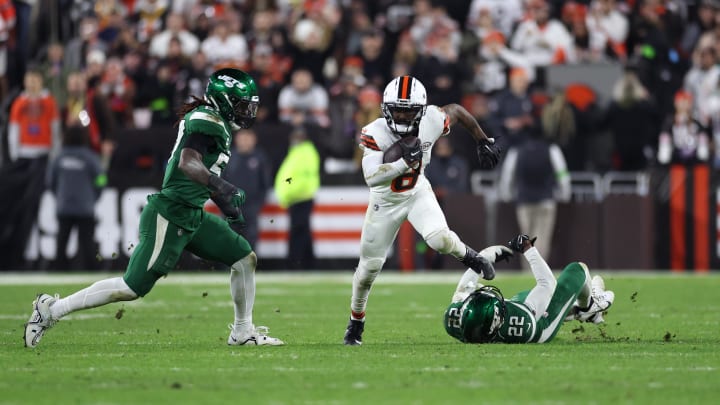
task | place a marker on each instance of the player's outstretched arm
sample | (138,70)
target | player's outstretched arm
(488,152)
(466,285)
(458,114)
(539,297)
(469,280)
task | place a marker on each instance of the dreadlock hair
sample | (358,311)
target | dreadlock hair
(194,103)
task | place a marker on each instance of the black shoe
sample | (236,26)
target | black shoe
(479,264)
(521,243)
(353,334)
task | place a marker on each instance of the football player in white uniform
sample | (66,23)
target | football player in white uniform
(399,190)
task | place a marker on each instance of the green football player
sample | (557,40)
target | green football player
(480,314)
(174,219)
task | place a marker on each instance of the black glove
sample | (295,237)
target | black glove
(228,198)
(411,153)
(519,243)
(237,217)
(488,153)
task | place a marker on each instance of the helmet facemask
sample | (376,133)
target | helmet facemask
(244,112)
(403,119)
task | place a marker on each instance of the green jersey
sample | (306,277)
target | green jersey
(181,199)
(518,325)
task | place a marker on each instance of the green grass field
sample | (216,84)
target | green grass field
(660,345)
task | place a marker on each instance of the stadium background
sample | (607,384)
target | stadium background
(655,216)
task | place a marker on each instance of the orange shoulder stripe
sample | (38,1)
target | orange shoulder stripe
(369,142)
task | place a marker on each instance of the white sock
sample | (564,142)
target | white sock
(363,280)
(457,247)
(101,293)
(583,299)
(242,290)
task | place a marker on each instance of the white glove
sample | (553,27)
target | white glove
(496,253)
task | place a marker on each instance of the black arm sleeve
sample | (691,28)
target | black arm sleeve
(199,142)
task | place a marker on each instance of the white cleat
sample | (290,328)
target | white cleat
(597,319)
(601,300)
(40,320)
(254,337)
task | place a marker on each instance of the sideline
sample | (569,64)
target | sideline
(221,278)
(332,277)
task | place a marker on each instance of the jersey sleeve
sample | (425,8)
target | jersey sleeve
(367,141)
(436,121)
(446,122)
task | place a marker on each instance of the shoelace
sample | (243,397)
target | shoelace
(51,321)
(257,330)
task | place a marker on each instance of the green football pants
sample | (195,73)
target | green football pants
(162,243)
(569,285)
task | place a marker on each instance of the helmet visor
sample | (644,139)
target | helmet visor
(405,115)
(246,108)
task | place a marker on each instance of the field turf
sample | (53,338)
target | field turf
(661,344)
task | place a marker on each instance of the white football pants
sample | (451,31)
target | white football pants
(382,222)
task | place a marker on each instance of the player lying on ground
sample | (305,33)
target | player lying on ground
(399,189)
(174,219)
(480,314)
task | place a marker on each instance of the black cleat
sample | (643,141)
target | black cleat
(353,334)
(479,264)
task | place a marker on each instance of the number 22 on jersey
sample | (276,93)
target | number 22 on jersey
(516,327)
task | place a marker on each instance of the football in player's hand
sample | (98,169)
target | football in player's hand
(405,146)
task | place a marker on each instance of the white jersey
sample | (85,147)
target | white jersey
(399,193)
(396,181)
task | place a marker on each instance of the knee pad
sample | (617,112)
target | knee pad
(441,241)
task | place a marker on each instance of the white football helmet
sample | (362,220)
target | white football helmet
(404,104)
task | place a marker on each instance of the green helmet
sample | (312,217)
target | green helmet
(234,94)
(482,315)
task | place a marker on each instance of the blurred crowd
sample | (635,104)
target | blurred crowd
(80,78)
(114,65)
